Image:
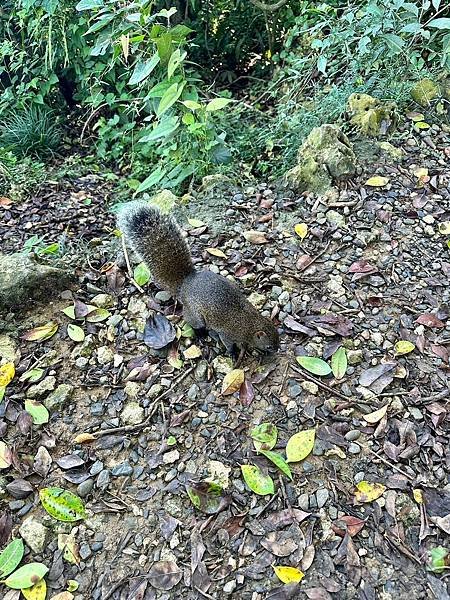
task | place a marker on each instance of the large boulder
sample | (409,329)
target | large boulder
(371,116)
(22,280)
(325,157)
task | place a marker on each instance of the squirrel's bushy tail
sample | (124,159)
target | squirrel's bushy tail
(158,241)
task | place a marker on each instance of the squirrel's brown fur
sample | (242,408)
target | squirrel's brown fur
(210,301)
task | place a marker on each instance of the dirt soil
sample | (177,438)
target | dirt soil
(373,270)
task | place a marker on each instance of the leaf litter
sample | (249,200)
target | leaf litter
(380,419)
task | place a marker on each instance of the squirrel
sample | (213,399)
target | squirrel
(210,301)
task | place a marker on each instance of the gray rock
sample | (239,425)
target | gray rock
(85,488)
(132,413)
(39,389)
(85,551)
(103,479)
(34,534)
(322,496)
(22,280)
(59,397)
(122,469)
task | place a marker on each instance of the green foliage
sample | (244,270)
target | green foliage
(368,37)
(32,131)
(19,176)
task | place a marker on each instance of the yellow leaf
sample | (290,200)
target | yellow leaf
(421,125)
(288,574)
(418,496)
(192,352)
(377,181)
(301,229)
(377,415)
(37,592)
(403,347)
(125,43)
(83,438)
(63,596)
(420,172)
(232,381)
(69,546)
(367,492)
(7,373)
(444,228)
(300,445)
(195,223)
(216,252)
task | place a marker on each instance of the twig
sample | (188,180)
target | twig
(266,506)
(386,462)
(153,408)
(269,7)
(313,260)
(283,381)
(320,384)
(130,272)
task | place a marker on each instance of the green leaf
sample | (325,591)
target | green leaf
(176,58)
(44,332)
(258,482)
(26,576)
(32,375)
(314,365)
(154,178)
(278,461)
(169,98)
(300,445)
(206,496)
(264,436)
(38,412)
(88,4)
(164,46)
(443,23)
(141,274)
(162,130)
(69,311)
(11,557)
(75,333)
(191,104)
(339,363)
(394,42)
(143,69)
(217,104)
(322,64)
(97,315)
(62,504)
(438,559)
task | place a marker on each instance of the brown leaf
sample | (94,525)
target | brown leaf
(164,575)
(279,543)
(347,523)
(290,591)
(379,377)
(430,320)
(255,237)
(246,393)
(291,323)
(303,262)
(5,528)
(282,518)
(5,201)
(232,381)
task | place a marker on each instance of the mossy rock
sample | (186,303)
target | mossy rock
(371,116)
(325,157)
(425,91)
(165,200)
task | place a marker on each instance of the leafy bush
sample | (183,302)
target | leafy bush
(34,131)
(369,37)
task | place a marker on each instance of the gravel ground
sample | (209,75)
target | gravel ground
(373,270)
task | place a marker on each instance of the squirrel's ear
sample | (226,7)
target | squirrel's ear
(259,335)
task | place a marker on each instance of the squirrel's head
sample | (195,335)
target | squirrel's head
(266,338)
